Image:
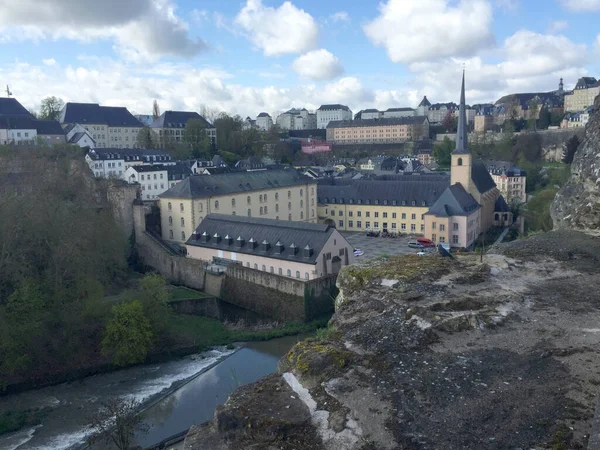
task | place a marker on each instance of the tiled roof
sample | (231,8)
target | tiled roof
(93,113)
(398,109)
(128,154)
(585,82)
(545,98)
(454,201)
(263,114)
(49,127)
(401,192)
(178,171)
(371,110)
(149,168)
(201,186)
(178,119)
(284,240)
(333,107)
(481,177)
(501,205)
(377,122)
(11,107)
(17,123)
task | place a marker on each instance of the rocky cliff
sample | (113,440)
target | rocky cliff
(577,204)
(431,353)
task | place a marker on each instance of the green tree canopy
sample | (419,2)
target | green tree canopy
(196,138)
(128,335)
(442,152)
(147,139)
(50,108)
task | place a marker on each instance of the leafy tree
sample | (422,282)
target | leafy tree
(533,115)
(196,138)
(571,148)
(229,129)
(128,335)
(449,123)
(146,138)
(442,152)
(555,118)
(154,295)
(545,118)
(117,422)
(50,108)
(537,210)
(155,110)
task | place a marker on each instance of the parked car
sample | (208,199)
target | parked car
(415,245)
(421,253)
(426,242)
(358,252)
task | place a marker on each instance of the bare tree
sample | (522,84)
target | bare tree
(117,422)
(155,110)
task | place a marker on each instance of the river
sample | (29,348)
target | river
(65,426)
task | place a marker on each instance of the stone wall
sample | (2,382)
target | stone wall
(121,196)
(207,307)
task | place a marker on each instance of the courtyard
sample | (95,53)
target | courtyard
(378,246)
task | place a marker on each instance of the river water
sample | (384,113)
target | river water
(65,427)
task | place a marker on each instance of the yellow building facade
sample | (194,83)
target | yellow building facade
(378,131)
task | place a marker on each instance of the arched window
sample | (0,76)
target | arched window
(264,268)
(277,207)
(265,197)
(183,235)
(497,216)
(200,207)
(459,161)
(306,275)
(312,213)
(266,212)
(256,266)
(170,234)
(181,207)
(248,199)
(272,269)
(302,214)
(249,212)
(182,222)
(289,217)
(289,194)
(312,202)
(280,271)
(247,264)
(170,220)
(301,203)
(170,207)
(289,273)
(276,195)
(312,191)
(289,205)
(301,192)
(261,210)
(233,202)
(216,204)
(297,274)
(260,198)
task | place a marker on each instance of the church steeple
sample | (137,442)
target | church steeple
(461,133)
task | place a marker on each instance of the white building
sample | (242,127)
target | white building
(297,119)
(327,113)
(78,135)
(17,130)
(370,114)
(264,122)
(153,179)
(113,162)
(398,112)
(423,107)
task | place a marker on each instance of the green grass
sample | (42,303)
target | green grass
(12,421)
(553,164)
(181,293)
(207,333)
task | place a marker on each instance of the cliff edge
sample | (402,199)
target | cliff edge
(577,204)
(430,353)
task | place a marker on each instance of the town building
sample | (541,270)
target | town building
(113,162)
(425,156)
(472,203)
(510,180)
(18,130)
(110,126)
(300,250)
(379,131)
(170,127)
(297,119)
(50,132)
(423,107)
(527,106)
(483,123)
(248,123)
(368,114)
(274,194)
(396,205)
(577,119)
(153,180)
(392,113)
(264,122)
(19,127)
(178,172)
(438,111)
(78,135)
(585,92)
(336,112)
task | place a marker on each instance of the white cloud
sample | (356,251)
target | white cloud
(581,5)
(278,31)
(507,5)
(141,29)
(422,30)
(340,16)
(49,61)
(318,65)
(557,26)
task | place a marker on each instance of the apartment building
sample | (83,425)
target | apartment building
(300,250)
(273,194)
(585,92)
(264,121)
(78,135)
(296,119)
(335,112)
(153,179)
(113,162)
(170,127)
(110,126)
(18,126)
(510,180)
(379,131)
(397,205)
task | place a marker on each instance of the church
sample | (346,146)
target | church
(472,204)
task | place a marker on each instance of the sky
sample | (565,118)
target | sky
(245,57)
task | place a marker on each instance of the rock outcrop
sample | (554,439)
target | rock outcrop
(430,353)
(577,204)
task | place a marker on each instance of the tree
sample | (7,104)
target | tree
(442,152)
(449,123)
(537,211)
(50,108)
(572,145)
(533,115)
(155,110)
(229,130)
(128,335)
(154,295)
(194,135)
(146,138)
(117,422)
(545,118)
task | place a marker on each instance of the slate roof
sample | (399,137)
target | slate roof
(128,154)
(524,99)
(76,137)
(45,127)
(501,205)
(454,201)
(201,186)
(377,122)
(398,109)
(178,119)
(425,102)
(93,113)
(11,107)
(586,82)
(370,110)
(335,106)
(178,171)
(17,123)
(481,177)
(149,168)
(263,114)
(401,192)
(266,234)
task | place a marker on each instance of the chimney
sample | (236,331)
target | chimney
(205,237)
(265,246)
(240,241)
(293,249)
(308,251)
(252,244)
(228,240)
(279,247)
(217,237)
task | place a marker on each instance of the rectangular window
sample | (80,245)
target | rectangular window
(368,214)
(393,225)
(433,225)
(350,224)
(359,214)
(455,239)
(393,215)
(332,212)
(455,227)
(358,224)
(403,226)
(404,215)
(385,215)
(413,227)
(442,227)
(376,215)
(350,213)
(376,225)
(368,224)
(422,228)
(341,213)
(413,217)
(433,237)
(341,224)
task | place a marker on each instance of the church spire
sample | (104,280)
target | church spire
(461,134)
